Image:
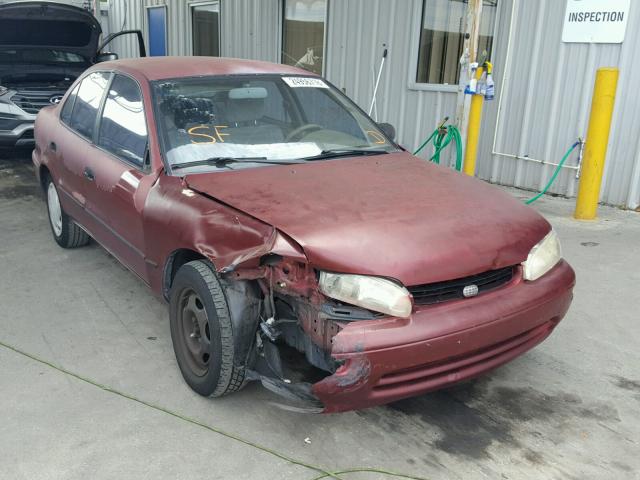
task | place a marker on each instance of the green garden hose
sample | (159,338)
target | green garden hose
(442,136)
(555,174)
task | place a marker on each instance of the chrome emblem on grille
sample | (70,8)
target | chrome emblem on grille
(470,291)
(56,99)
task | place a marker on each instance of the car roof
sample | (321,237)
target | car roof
(157,68)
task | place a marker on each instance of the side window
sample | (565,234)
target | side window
(123,130)
(87,103)
(65,114)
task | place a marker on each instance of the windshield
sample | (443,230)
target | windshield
(213,123)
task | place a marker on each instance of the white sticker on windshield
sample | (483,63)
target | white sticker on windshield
(296,82)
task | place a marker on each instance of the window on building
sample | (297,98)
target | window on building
(123,129)
(205,25)
(442,38)
(303,34)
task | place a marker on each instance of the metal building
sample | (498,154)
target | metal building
(543,85)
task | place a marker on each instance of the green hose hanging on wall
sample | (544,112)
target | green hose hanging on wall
(555,174)
(444,134)
(442,137)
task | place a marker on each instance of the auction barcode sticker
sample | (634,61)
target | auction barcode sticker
(308,82)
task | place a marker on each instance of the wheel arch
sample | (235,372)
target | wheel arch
(172,264)
(43,174)
(242,297)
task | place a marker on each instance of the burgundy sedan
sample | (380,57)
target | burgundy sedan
(296,243)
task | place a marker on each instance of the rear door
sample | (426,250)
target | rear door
(69,146)
(118,173)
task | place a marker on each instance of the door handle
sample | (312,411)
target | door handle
(53,147)
(88,173)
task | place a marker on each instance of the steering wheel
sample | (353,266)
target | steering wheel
(299,132)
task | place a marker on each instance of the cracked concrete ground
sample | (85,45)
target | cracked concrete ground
(569,409)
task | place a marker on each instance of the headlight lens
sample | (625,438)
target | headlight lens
(3,90)
(542,257)
(373,293)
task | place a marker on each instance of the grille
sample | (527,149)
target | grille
(438,292)
(32,101)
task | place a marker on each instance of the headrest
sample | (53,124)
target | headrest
(244,109)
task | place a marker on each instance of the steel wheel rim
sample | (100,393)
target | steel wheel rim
(55,210)
(194,332)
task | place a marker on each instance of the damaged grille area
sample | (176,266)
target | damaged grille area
(439,292)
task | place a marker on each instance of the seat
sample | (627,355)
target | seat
(246,124)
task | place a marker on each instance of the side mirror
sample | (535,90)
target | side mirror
(388,129)
(106,57)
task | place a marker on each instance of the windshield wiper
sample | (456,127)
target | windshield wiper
(344,152)
(224,161)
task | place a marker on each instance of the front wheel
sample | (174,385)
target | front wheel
(65,231)
(201,331)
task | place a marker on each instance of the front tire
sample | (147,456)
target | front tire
(201,331)
(65,231)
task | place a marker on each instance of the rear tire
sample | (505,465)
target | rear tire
(65,231)
(201,331)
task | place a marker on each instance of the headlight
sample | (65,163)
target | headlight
(373,293)
(3,90)
(542,257)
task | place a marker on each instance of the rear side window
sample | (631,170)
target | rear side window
(123,130)
(87,103)
(67,108)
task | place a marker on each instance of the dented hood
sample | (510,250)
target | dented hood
(389,215)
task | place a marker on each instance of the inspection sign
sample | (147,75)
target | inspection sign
(595,21)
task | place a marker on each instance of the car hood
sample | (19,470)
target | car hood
(49,25)
(390,215)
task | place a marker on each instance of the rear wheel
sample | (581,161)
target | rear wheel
(201,331)
(65,231)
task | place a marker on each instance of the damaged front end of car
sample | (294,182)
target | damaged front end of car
(285,330)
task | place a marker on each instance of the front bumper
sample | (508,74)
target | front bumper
(16,126)
(390,359)
(21,136)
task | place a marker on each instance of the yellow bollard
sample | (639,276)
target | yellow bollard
(473,131)
(595,151)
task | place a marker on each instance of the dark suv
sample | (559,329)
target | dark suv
(44,47)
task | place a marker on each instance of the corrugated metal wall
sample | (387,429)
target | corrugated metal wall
(546,100)
(75,3)
(123,15)
(357,31)
(249,28)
